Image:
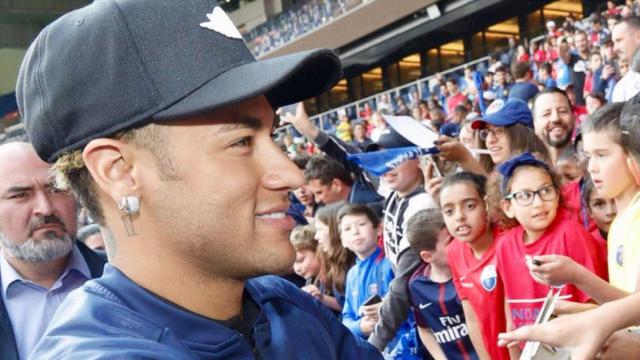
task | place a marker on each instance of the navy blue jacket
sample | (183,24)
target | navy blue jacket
(8,348)
(114,318)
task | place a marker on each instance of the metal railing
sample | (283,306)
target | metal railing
(420,87)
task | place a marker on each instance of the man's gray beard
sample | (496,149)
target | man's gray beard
(49,248)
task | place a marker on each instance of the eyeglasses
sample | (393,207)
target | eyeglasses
(497,132)
(525,197)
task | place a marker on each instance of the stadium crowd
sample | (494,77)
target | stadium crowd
(529,185)
(549,111)
(294,22)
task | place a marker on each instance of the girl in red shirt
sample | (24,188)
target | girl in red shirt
(473,261)
(531,195)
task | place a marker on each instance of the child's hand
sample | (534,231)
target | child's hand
(371,311)
(313,291)
(563,307)
(432,182)
(552,270)
(367,324)
(452,149)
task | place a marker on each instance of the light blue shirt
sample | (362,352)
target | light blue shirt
(31,306)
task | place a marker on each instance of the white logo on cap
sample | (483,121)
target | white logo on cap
(495,106)
(220,23)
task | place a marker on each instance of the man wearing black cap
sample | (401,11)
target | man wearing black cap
(159,118)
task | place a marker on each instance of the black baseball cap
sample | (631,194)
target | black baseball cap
(119,64)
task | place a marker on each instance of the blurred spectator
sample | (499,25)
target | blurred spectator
(500,86)
(522,55)
(612,8)
(455,96)
(366,111)
(401,107)
(470,89)
(452,128)
(330,182)
(626,41)
(91,236)
(523,88)
(344,129)
(423,106)
(545,76)
(383,104)
(594,74)
(597,33)
(360,138)
(594,101)
(576,62)
(507,56)
(379,126)
(436,119)
(552,29)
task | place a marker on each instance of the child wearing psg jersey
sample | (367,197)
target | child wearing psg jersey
(530,192)
(473,261)
(437,308)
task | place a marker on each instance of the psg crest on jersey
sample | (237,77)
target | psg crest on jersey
(373,289)
(489,277)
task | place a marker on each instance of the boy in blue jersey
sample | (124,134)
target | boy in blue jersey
(372,273)
(368,280)
(437,308)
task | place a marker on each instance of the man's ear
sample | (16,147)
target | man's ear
(634,168)
(426,256)
(337,185)
(109,163)
(506,208)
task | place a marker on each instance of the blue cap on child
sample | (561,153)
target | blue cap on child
(505,113)
(507,168)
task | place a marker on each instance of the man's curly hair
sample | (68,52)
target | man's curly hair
(71,173)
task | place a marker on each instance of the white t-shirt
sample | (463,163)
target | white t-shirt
(627,87)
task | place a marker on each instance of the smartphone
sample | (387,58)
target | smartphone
(536,262)
(425,160)
(374,299)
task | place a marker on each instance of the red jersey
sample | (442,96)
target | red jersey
(524,296)
(477,281)
(572,201)
(602,249)
(452,102)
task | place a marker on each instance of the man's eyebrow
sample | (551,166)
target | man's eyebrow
(244,122)
(15,189)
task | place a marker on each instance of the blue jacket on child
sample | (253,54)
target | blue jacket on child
(366,278)
(112,317)
(372,276)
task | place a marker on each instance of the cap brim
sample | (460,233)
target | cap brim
(283,80)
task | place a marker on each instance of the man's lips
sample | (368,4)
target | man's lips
(48,227)
(277,217)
